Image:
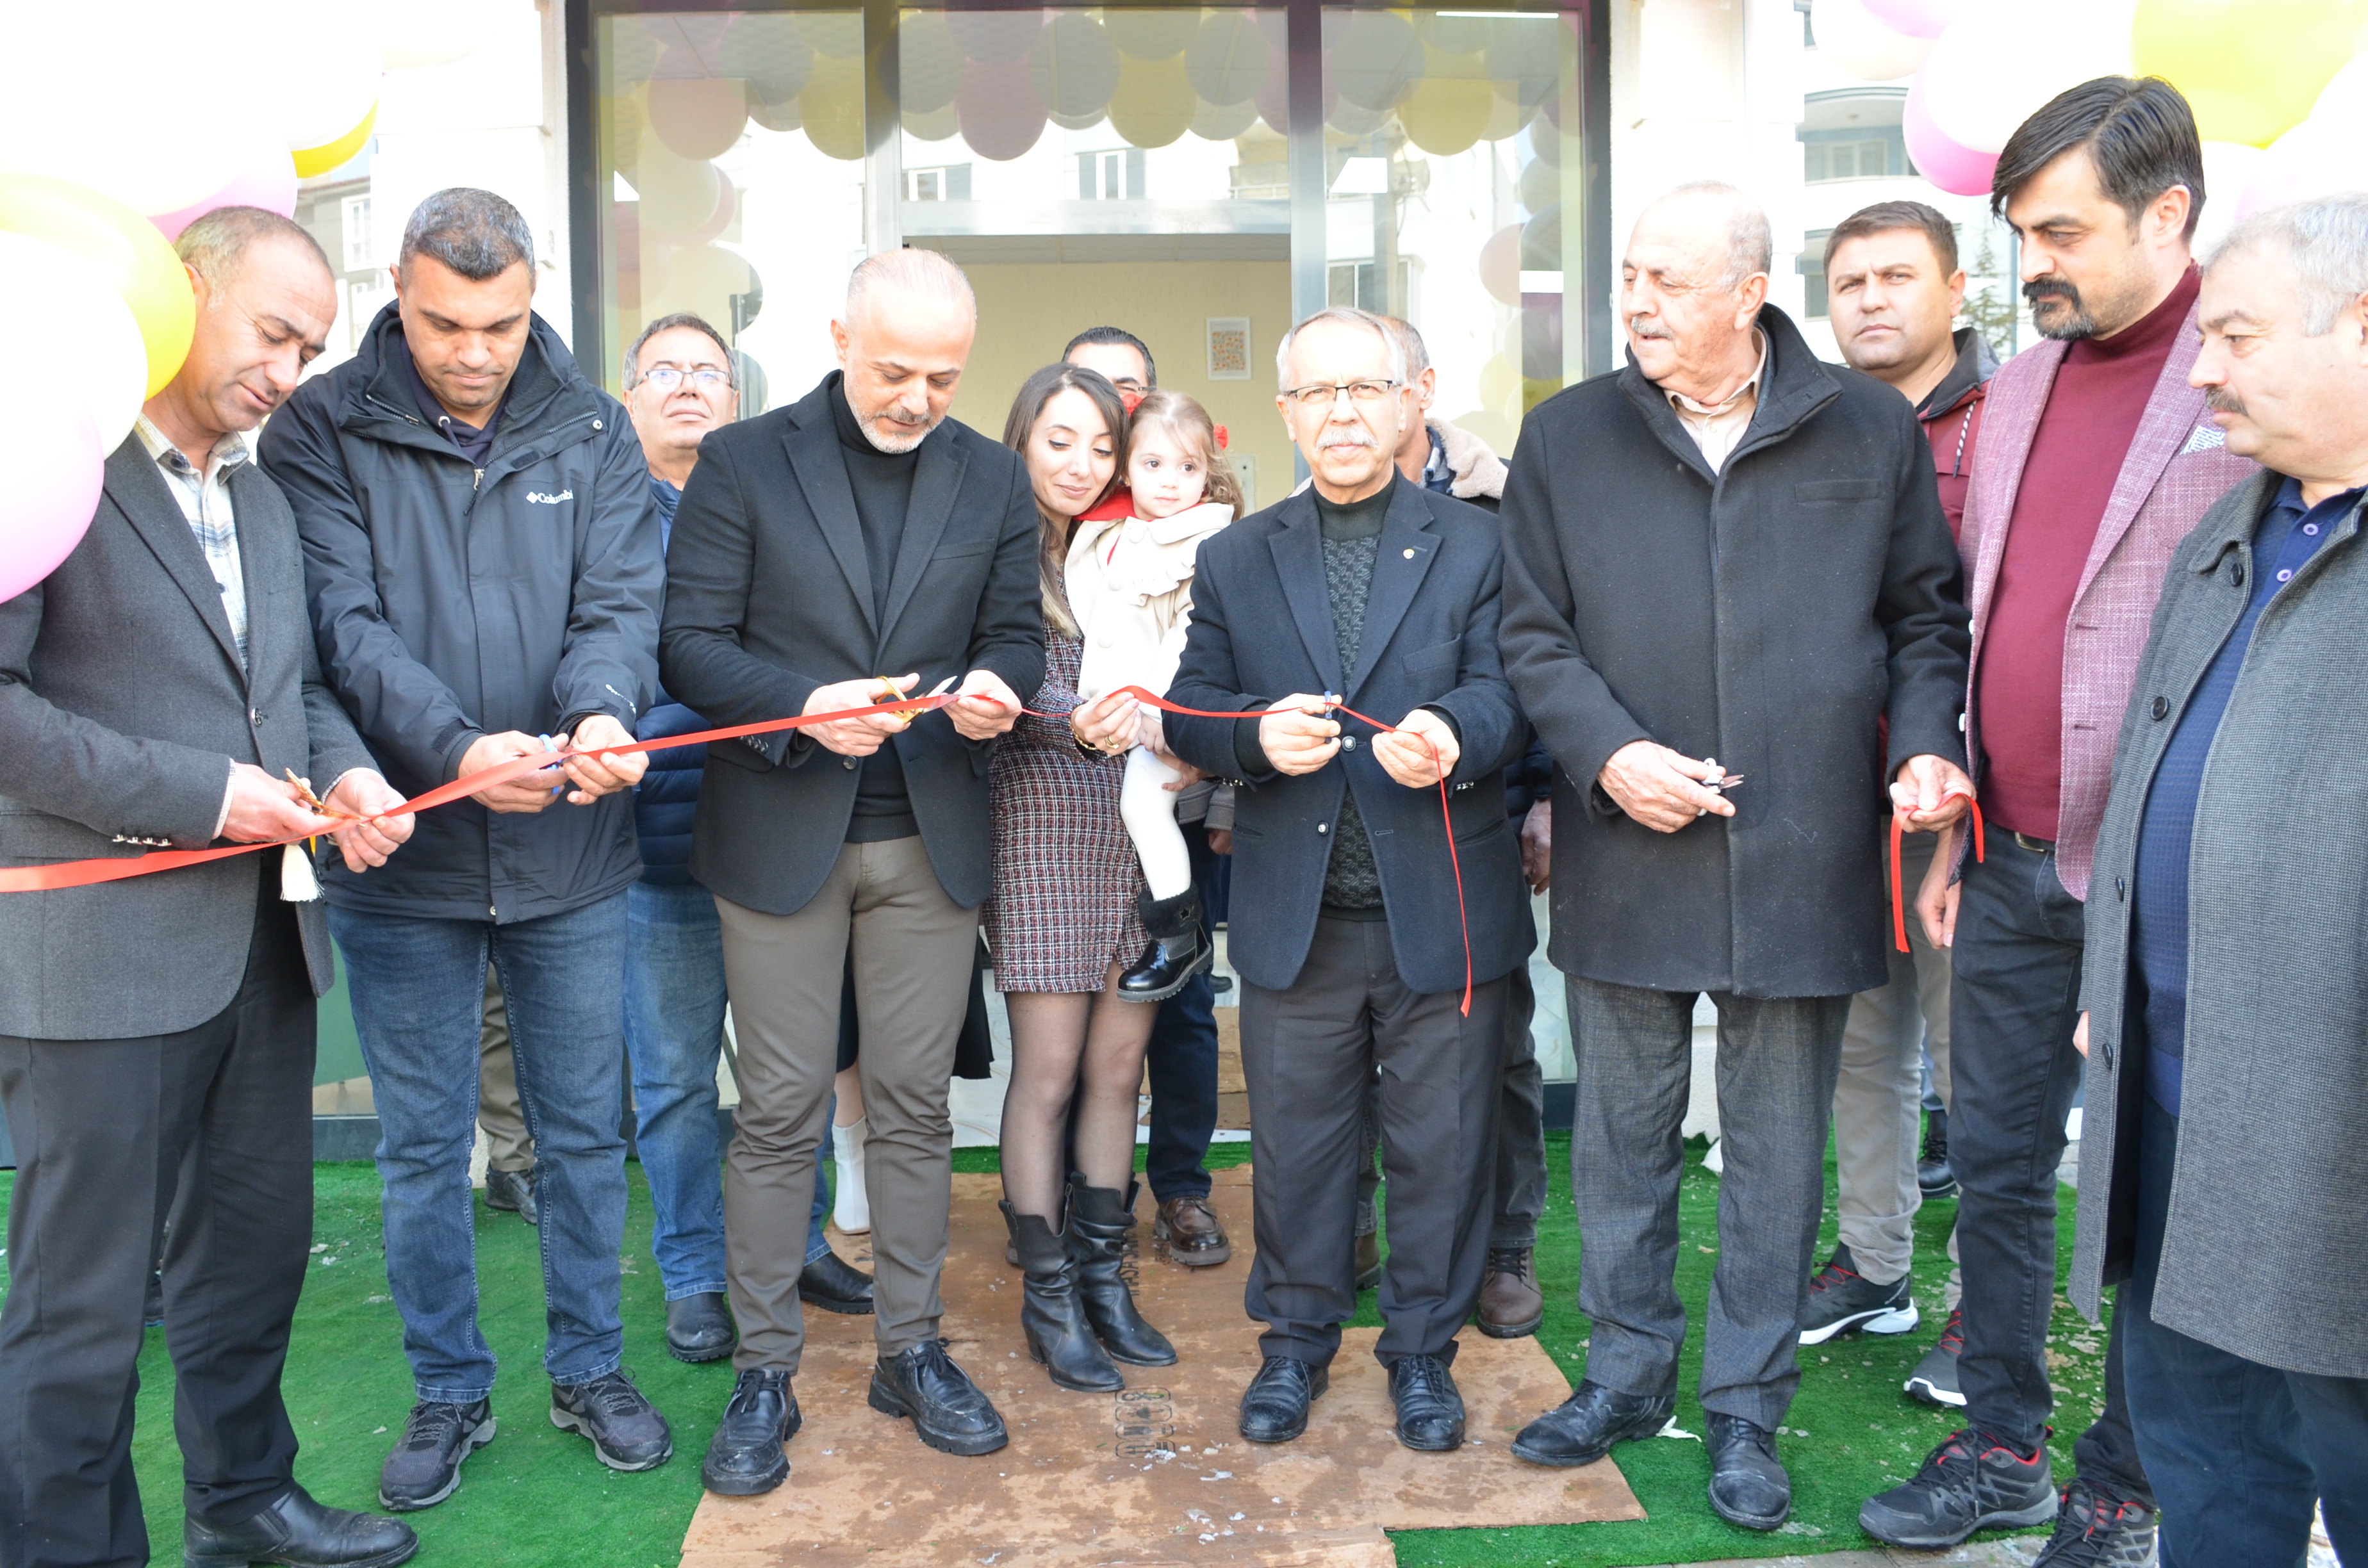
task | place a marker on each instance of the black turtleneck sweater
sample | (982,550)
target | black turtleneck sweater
(882,483)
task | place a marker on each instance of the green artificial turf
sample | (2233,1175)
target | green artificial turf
(536,1498)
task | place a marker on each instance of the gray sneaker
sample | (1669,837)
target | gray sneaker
(1934,1380)
(626,1429)
(425,1467)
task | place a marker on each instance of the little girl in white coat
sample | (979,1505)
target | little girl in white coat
(1130,584)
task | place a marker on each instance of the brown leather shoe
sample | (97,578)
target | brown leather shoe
(1511,1305)
(1188,1228)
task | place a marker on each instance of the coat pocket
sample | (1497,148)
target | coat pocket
(1439,655)
(1818,492)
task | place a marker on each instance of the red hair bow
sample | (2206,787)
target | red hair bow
(1133,401)
(1221,437)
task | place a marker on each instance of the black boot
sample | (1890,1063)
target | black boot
(1100,1218)
(1177,949)
(1051,1311)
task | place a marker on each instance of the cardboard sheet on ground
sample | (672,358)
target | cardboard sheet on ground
(1155,1475)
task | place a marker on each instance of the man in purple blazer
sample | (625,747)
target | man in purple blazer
(2065,552)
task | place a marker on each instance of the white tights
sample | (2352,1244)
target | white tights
(1148,808)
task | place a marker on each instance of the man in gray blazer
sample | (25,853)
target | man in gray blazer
(157,1034)
(2225,993)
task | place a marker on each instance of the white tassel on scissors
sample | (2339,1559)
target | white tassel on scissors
(297,882)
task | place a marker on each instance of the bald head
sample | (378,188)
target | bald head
(1690,287)
(903,338)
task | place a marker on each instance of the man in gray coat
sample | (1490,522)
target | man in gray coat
(2225,994)
(1724,567)
(484,565)
(159,689)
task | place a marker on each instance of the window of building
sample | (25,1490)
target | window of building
(951,183)
(354,223)
(1865,159)
(1112,176)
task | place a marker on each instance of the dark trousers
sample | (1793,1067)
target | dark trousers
(1777,1063)
(1307,1054)
(2237,1451)
(1520,1185)
(2013,1000)
(106,1132)
(1182,1057)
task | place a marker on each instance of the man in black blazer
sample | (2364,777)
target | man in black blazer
(1346,901)
(156,1033)
(853,546)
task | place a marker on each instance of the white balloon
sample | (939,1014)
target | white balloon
(2229,168)
(2001,59)
(90,92)
(56,316)
(1848,35)
(415,34)
(317,62)
(2342,107)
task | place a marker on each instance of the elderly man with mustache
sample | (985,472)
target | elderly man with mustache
(1725,567)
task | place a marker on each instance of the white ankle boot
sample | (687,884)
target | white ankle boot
(851,1209)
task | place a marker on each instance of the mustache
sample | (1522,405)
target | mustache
(1352,438)
(2041,289)
(1648,327)
(2220,400)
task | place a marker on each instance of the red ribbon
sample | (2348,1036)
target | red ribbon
(89,873)
(1899,894)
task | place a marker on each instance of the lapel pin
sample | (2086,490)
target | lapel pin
(1409,555)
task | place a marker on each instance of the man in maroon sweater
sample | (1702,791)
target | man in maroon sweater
(2096,459)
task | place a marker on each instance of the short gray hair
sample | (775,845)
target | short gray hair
(1418,353)
(215,243)
(1750,242)
(924,274)
(475,232)
(1378,325)
(2327,241)
(668,323)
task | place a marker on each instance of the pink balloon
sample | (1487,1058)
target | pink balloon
(271,187)
(998,110)
(2305,163)
(1917,19)
(1956,168)
(57,471)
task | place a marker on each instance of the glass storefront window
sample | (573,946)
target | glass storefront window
(1450,142)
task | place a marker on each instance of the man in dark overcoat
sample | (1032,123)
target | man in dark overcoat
(2226,997)
(1726,559)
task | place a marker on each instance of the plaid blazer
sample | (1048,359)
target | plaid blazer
(2176,467)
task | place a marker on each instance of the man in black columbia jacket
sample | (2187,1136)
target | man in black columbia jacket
(486,572)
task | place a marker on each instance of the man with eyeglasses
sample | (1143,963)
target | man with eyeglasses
(678,386)
(1365,591)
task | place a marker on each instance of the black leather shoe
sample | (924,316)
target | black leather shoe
(745,1457)
(699,1328)
(1430,1411)
(835,1285)
(1051,1311)
(1176,952)
(1934,1177)
(947,1411)
(425,1467)
(626,1430)
(1582,1429)
(301,1533)
(1100,1221)
(1274,1407)
(513,1192)
(1749,1487)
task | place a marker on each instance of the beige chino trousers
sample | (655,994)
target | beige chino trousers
(912,949)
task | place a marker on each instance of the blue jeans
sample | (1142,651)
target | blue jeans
(418,989)
(2237,1451)
(1182,1056)
(674,1032)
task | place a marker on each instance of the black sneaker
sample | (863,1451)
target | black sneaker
(1934,1380)
(425,1467)
(1842,1299)
(2093,1530)
(1934,1177)
(512,1192)
(1968,1483)
(626,1429)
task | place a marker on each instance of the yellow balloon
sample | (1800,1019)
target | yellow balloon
(2251,68)
(832,106)
(119,249)
(311,161)
(1449,109)
(1154,101)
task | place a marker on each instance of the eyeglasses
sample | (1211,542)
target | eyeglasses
(1315,397)
(665,378)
